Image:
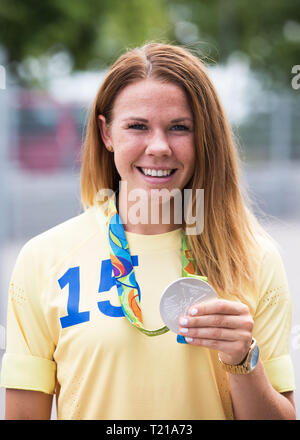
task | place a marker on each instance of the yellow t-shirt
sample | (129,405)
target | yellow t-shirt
(66,332)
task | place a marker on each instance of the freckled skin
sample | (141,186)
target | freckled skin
(157,142)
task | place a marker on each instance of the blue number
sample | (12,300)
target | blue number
(107,281)
(73,317)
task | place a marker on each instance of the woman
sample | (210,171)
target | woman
(157,124)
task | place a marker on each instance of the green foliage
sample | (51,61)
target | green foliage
(92,32)
(267,32)
(95,32)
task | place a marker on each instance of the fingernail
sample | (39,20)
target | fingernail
(183,330)
(193,312)
(183,321)
(189,339)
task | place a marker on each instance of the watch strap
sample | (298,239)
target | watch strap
(242,368)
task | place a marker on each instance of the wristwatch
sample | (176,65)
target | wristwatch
(247,365)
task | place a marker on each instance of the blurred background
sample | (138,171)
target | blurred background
(53,56)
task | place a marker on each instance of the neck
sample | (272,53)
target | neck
(147,217)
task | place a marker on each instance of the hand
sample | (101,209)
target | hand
(221,325)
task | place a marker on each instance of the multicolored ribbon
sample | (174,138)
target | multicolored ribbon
(128,288)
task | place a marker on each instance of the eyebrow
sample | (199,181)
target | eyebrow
(146,120)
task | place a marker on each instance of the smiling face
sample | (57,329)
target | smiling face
(152,136)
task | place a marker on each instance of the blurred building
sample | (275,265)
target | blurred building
(46,135)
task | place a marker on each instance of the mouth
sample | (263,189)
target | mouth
(157,172)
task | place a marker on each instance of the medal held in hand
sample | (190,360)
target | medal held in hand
(180,295)
(128,288)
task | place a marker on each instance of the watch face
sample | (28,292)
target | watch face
(254,358)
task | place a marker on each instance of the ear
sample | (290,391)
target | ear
(104,130)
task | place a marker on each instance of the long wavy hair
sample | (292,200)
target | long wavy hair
(226,250)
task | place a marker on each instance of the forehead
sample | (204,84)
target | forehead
(151,96)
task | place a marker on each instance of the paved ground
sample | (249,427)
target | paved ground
(287,234)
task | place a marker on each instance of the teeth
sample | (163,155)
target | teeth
(156,173)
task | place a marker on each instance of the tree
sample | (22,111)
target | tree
(92,33)
(267,32)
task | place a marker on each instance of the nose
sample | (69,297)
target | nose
(158,145)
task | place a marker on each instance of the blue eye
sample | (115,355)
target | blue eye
(137,126)
(179,127)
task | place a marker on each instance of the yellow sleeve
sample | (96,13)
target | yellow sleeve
(272,321)
(28,363)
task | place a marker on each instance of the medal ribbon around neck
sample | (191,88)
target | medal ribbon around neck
(128,288)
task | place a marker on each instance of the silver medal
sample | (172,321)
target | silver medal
(179,296)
